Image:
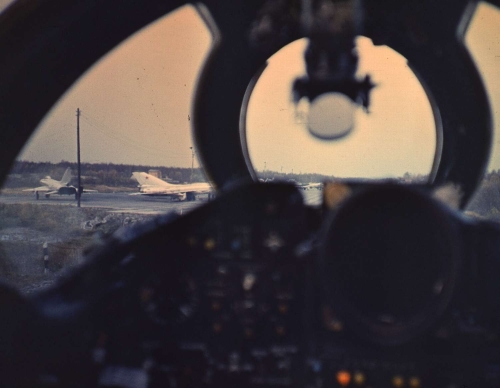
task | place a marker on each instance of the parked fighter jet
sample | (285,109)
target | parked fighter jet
(153,186)
(52,186)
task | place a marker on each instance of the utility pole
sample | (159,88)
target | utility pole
(192,164)
(78,193)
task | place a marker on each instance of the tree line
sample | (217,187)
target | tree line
(486,201)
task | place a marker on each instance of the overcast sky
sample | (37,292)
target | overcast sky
(136,104)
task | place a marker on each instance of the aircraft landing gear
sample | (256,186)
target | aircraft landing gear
(37,196)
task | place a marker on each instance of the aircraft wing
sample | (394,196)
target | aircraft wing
(41,188)
(166,193)
(156,192)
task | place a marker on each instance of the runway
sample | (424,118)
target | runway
(126,203)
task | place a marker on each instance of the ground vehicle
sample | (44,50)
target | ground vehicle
(112,322)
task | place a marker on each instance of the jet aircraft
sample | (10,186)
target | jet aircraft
(153,186)
(309,186)
(52,186)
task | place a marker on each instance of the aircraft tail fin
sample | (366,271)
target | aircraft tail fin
(66,177)
(148,180)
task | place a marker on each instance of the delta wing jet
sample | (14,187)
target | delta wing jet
(153,186)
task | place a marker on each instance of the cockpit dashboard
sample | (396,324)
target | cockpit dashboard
(381,285)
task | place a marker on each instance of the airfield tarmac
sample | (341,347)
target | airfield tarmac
(115,202)
(126,203)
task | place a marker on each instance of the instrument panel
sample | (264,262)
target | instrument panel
(235,296)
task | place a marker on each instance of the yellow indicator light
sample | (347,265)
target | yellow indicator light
(209,244)
(398,381)
(343,378)
(414,382)
(358,378)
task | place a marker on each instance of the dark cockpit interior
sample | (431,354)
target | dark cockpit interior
(382,285)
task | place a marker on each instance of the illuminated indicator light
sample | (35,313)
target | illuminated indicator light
(273,242)
(335,325)
(249,281)
(280,330)
(209,244)
(398,381)
(358,378)
(414,382)
(217,327)
(343,378)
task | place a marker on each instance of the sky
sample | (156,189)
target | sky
(136,103)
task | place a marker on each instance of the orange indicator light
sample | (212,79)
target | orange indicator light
(398,381)
(414,382)
(335,325)
(343,378)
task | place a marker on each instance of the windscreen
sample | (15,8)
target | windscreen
(128,122)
